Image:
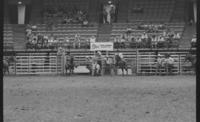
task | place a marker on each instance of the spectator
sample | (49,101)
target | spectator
(92,39)
(193,42)
(85,23)
(77,41)
(139,42)
(116,42)
(154,41)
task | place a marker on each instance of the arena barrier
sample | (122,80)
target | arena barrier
(139,62)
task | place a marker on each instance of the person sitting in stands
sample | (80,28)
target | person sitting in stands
(85,23)
(45,44)
(122,41)
(132,42)
(144,39)
(76,43)
(177,36)
(154,41)
(92,39)
(161,41)
(128,31)
(34,28)
(116,42)
(164,33)
(28,32)
(139,42)
(193,41)
(51,42)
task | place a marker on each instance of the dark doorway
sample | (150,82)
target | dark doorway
(190,11)
(27,14)
(13,12)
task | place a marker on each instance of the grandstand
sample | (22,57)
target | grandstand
(63,20)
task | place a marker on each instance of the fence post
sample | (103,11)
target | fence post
(56,64)
(15,64)
(136,61)
(29,63)
(179,64)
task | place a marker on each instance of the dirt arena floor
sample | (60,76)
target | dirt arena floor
(100,99)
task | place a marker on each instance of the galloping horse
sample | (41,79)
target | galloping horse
(121,63)
(6,63)
(192,59)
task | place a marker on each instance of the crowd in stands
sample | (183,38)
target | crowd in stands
(153,36)
(148,39)
(50,41)
(151,28)
(66,14)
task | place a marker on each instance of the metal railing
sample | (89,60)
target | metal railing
(139,63)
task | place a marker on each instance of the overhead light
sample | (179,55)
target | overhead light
(19,2)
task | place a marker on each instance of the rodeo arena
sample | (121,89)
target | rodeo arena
(99,60)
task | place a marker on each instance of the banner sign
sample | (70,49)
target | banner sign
(101,46)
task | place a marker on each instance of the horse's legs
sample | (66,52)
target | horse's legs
(66,71)
(126,70)
(4,71)
(167,70)
(8,70)
(122,71)
(93,72)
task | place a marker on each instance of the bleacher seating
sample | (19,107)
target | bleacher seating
(8,37)
(69,5)
(63,31)
(152,10)
(121,28)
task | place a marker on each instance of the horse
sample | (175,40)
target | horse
(168,66)
(192,59)
(121,63)
(69,66)
(6,64)
(96,69)
(159,65)
(93,66)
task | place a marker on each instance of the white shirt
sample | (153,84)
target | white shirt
(92,40)
(194,40)
(170,60)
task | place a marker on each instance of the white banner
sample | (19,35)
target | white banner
(21,14)
(102,46)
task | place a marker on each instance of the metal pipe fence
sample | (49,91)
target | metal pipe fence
(139,63)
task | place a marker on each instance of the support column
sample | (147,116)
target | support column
(195,11)
(21,13)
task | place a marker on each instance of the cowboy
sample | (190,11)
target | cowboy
(121,56)
(159,63)
(69,62)
(69,58)
(109,64)
(95,66)
(99,58)
(169,63)
(116,59)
